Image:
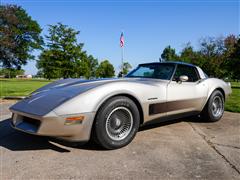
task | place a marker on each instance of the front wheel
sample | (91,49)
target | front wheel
(117,122)
(214,109)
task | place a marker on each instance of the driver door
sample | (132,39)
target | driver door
(188,96)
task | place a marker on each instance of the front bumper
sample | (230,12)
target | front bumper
(54,126)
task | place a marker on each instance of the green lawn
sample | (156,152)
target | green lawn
(233,103)
(22,87)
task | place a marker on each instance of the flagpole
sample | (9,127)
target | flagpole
(122,57)
(122,51)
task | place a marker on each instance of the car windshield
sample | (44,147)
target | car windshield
(157,71)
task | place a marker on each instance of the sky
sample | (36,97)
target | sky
(148,25)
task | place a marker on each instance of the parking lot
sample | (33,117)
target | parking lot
(181,149)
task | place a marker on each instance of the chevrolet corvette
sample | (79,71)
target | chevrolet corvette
(111,110)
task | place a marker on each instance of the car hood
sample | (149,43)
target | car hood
(47,98)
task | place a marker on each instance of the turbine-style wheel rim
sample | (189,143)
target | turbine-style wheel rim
(217,106)
(119,123)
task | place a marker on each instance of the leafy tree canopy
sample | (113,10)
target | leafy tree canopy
(105,69)
(218,57)
(124,69)
(233,64)
(11,73)
(19,36)
(63,55)
(169,54)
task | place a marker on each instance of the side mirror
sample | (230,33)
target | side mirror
(183,78)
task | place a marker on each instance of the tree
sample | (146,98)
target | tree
(49,64)
(10,72)
(190,56)
(187,54)
(39,74)
(19,36)
(230,46)
(124,69)
(91,67)
(105,69)
(169,54)
(63,56)
(234,61)
(212,53)
(218,57)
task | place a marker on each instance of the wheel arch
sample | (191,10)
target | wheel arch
(217,84)
(221,90)
(210,93)
(214,89)
(133,98)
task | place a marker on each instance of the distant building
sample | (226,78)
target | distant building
(26,76)
(29,76)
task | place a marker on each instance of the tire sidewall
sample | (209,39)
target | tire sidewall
(209,110)
(100,125)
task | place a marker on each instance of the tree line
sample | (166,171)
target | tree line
(218,57)
(62,56)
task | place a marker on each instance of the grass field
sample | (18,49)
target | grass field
(22,87)
(233,103)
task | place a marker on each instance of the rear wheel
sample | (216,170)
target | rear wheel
(117,122)
(214,109)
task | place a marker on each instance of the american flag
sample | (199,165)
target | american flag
(121,40)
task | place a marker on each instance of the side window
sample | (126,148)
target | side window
(187,71)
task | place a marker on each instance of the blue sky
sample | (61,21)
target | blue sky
(148,26)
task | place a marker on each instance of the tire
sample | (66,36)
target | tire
(116,123)
(214,109)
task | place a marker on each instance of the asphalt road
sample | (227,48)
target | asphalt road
(182,149)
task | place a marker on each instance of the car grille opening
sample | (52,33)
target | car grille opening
(25,123)
(31,121)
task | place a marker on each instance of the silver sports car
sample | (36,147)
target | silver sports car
(111,110)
